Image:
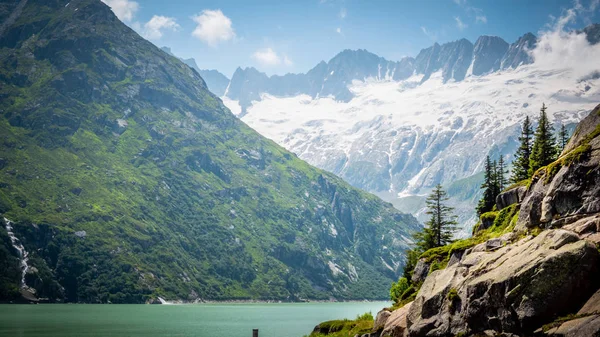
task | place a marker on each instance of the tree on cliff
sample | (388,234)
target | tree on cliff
(543,151)
(501,174)
(521,162)
(489,186)
(440,228)
(563,138)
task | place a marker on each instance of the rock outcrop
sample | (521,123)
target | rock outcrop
(542,278)
(512,289)
(396,324)
(568,189)
(512,196)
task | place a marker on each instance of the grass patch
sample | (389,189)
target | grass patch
(525,182)
(345,327)
(574,156)
(504,222)
(559,321)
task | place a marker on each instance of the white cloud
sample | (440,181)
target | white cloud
(460,2)
(343,13)
(153,29)
(124,9)
(560,47)
(287,61)
(459,24)
(338,30)
(268,57)
(431,35)
(480,19)
(213,27)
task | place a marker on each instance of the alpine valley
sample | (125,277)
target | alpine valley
(397,129)
(123,179)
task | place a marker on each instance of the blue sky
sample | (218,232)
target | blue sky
(281,36)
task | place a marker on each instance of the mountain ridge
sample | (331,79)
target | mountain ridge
(125,179)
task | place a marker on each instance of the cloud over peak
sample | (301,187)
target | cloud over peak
(213,27)
(124,9)
(459,24)
(153,29)
(268,57)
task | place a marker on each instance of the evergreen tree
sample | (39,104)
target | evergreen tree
(521,163)
(490,188)
(543,151)
(563,138)
(495,180)
(501,175)
(442,224)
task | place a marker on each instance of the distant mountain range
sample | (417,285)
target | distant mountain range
(343,115)
(456,60)
(396,128)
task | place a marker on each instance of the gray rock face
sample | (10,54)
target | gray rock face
(510,197)
(455,58)
(396,324)
(517,54)
(583,326)
(514,288)
(421,271)
(217,82)
(592,33)
(487,54)
(574,190)
(380,320)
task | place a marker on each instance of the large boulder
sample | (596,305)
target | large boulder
(380,320)
(512,196)
(420,272)
(514,289)
(587,322)
(396,324)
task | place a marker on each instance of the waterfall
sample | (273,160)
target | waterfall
(23,255)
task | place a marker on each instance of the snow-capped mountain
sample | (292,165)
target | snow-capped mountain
(398,128)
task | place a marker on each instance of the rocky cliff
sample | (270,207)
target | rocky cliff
(535,271)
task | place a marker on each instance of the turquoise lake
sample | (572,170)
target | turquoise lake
(203,320)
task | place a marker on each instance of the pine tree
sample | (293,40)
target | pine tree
(501,175)
(442,224)
(495,181)
(521,163)
(543,151)
(563,138)
(490,188)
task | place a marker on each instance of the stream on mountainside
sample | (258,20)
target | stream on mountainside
(23,254)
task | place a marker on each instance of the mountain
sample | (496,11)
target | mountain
(517,53)
(400,137)
(487,55)
(124,179)
(217,82)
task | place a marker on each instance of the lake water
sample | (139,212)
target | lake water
(201,320)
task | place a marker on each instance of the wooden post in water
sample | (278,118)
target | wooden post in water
(254,332)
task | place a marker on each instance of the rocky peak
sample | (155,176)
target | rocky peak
(592,33)
(518,52)
(487,54)
(426,61)
(454,59)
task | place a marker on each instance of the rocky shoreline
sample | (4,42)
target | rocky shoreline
(540,278)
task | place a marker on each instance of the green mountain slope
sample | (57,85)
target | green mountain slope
(126,179)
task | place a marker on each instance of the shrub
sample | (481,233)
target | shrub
(398,288)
